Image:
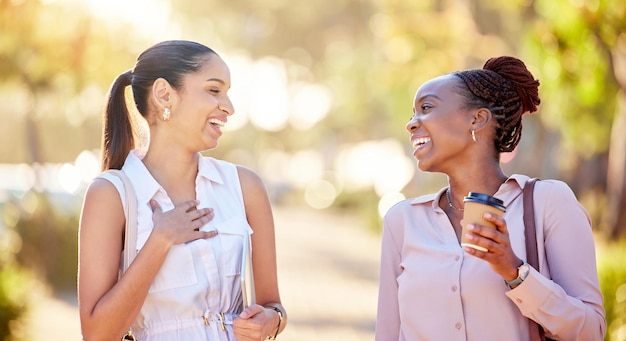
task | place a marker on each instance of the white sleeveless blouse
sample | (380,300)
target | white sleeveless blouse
(197,293)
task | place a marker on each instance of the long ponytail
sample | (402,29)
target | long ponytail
(117,130)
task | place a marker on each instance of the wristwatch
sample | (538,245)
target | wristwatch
(522,273)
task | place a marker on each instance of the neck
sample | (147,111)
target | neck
(464,182)
(449,199)
(174,170)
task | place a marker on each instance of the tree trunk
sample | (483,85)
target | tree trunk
(33,144)
(615,214)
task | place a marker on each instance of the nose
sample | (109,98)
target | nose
(413,124)
(227,106)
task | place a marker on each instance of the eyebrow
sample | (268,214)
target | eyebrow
(428,95)
(219,81)
(216,80)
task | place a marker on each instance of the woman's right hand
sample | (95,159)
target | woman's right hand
(182,223)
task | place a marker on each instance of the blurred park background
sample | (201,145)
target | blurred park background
(322,91)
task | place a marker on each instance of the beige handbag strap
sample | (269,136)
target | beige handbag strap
(129,200)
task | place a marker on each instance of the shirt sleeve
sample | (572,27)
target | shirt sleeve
(388,317)
(569,305)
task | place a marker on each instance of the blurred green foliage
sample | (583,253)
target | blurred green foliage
(38,255)
(49,241)
(571,44)
(12,305)
(612,272)
(17,287)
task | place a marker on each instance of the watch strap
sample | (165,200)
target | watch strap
(521,276)
(514,282)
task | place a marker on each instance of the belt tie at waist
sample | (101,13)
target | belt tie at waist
(222,318)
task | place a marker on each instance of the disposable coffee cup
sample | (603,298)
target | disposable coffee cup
(475,205)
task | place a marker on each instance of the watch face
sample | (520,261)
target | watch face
(524,269)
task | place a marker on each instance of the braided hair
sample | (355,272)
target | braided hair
(505,87)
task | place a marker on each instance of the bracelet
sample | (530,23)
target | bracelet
(280,321)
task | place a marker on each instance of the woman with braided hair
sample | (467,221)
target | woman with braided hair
(432,288)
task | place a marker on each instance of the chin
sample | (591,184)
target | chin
(211,147)
(424,166)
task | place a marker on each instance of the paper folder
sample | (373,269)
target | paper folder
(247,275)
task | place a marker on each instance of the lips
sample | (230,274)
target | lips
(217,122)
(419,141)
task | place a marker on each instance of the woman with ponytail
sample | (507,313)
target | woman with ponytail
(193,213)
(432,287)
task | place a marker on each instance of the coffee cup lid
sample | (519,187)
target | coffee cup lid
(485,199)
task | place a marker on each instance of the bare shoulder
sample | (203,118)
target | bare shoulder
(255,197)
(102,189)
(100,186)
(102,200)
(249,179)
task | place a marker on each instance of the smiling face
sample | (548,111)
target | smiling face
(440,126)
(201,107)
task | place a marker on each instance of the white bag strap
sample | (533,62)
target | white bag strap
(129,200)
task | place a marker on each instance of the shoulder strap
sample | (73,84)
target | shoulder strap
(532,255)
(530,230)
(130,211)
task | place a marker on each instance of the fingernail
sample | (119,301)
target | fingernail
(469,236)
(471,227)
(244,314)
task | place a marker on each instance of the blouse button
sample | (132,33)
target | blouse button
(454,287)
(458,325)
(457,257)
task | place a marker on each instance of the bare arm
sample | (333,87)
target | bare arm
(107,306)
(260,218)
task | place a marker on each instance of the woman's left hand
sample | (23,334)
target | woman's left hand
(499,253)
(255,323)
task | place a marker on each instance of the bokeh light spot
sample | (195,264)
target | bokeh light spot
(320,194)
(69,178)
(305,167)
(310,104)
(10,215)
(387,201)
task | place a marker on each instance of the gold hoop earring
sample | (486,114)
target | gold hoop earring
(474,136)
(166,114)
